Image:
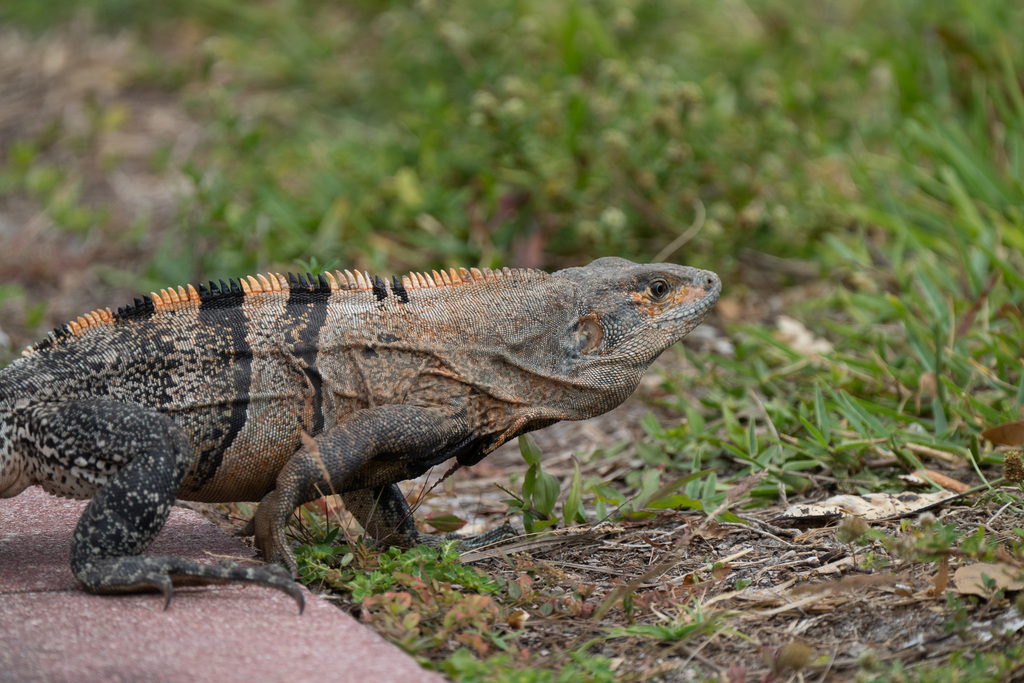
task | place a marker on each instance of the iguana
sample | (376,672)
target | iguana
(283,389)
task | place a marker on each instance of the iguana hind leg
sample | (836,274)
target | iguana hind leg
(361,458)
(138,458)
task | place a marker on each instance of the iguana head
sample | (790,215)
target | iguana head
(626,315)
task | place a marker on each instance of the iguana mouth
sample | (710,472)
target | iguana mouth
(696,302)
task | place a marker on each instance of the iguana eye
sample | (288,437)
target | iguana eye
(658,290)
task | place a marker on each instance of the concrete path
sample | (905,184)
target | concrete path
(51,630)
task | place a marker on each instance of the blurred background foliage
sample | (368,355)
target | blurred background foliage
(406,135)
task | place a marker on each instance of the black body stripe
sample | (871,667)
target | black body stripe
(307,313)
(228,328)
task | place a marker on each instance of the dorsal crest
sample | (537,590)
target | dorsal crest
(223,294)
(452,277)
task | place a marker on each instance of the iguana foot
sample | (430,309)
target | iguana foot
(386,517)
(268,526)
(148,572)
(151,454)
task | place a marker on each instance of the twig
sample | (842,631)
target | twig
(998,512)
(734,494)
(944,456)
(691,232)
(731,497)
(759,531)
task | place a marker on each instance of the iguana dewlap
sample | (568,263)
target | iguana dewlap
(283,389)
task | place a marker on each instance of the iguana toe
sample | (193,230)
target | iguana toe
(270,537)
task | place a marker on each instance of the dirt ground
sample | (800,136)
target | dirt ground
(800,584)
(779,584)
(80,130)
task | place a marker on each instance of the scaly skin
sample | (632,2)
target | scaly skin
(282,390)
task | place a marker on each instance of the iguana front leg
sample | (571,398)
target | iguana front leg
(361,458)
(139,458)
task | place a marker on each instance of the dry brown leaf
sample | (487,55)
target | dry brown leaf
(713,531)
(869,506)
(1007,434)
(518,619)
(721,572)
(942,480)
(791,331)
(941,577)
(969,579)
(836,567)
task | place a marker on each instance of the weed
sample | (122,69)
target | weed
(691,623)
(463,666)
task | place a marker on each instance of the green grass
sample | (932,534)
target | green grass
(412,135)
(876,147)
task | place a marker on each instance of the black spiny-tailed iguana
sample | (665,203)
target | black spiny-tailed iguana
(280,389)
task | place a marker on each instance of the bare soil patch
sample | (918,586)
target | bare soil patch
(78,128)
(844,607)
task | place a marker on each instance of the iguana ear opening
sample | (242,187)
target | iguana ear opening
(589,334)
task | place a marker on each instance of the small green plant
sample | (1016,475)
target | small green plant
(362,572)
(692,622)
(539,491)
(581,666)
(421,616)
(548,592)
(985,667)
(319,560)
(419,598)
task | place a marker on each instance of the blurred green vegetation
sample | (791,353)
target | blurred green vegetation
(407,135)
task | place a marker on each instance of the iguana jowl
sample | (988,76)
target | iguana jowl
(281,390)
